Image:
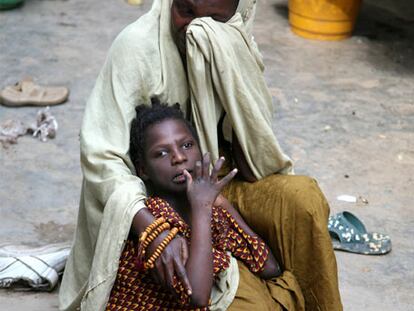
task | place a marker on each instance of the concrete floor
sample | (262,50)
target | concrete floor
(345,113)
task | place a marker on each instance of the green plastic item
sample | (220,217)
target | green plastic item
(10,4)
(348,234)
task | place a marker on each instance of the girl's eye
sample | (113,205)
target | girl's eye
(188,145)
(161,153)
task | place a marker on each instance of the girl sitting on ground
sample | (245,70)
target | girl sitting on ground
(227,261)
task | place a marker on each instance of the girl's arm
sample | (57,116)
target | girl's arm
(271,268)
(200,262)
(202,192)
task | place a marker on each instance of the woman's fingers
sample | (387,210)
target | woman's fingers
(168,262)
(182,276)
(172,262)
(159,271)
(216,169)
(183,251)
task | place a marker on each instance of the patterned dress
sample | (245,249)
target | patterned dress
(134,290)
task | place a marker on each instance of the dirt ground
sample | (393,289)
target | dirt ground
(344,112)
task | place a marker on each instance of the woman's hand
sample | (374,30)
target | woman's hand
(203,190)
(171,262)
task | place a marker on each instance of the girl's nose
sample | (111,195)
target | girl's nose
(178,156)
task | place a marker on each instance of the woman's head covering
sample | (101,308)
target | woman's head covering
(247,9)
(224,74)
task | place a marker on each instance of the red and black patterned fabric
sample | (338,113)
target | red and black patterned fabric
(134,290)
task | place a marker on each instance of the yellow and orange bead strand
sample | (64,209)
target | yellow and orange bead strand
(150,228)
(160,248)
(147,236)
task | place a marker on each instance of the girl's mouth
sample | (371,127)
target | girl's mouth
(180,178)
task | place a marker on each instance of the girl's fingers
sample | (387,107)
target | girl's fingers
(198,170)
(188,177)
(206,166)
(216,169)
(226,179)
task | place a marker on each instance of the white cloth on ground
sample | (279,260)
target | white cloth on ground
(37,268)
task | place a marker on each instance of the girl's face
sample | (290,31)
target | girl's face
(170,148)
(184,11)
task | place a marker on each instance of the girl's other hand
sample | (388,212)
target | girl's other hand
(203,189)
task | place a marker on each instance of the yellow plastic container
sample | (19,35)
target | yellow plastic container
(323,19)
(134,2)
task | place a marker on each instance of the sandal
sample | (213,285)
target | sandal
(27,93)
(348,234)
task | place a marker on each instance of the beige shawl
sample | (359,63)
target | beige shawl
(144,62)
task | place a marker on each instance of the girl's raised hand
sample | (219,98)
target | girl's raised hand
(203,189)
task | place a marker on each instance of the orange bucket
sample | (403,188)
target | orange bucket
(323,19)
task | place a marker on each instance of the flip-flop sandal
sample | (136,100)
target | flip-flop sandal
(348,234)
(27,93)
(10,4)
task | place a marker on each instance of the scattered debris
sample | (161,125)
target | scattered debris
(45,127)
(346,176)
(10,130)
(327,128)
(64,24)
(347,198)
(363,200)
(351,198)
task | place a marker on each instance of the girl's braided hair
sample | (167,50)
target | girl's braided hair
(147,116)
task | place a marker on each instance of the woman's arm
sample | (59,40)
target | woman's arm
(241,163)
(105,140)
(172,260)
(271,267)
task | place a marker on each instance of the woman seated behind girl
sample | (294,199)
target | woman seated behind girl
(228,265)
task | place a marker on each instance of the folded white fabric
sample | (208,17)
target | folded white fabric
(36,268)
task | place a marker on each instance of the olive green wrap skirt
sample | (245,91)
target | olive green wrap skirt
(277,294)
(290,213)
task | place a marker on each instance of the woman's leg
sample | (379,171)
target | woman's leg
(254,293)
(291,214)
